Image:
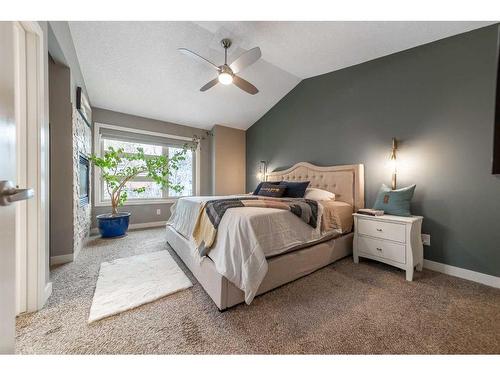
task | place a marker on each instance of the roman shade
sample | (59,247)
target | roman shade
(121,135)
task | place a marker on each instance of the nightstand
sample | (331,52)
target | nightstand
(395,240)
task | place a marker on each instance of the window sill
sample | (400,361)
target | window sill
(139,202)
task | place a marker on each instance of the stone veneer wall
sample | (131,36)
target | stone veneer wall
(82,144)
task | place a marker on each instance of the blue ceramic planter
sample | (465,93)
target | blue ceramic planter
(113,225)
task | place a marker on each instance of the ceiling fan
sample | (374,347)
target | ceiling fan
(227,73)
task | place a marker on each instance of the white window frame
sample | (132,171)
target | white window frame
(98,187)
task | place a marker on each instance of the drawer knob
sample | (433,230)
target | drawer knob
(379,230)
(379,249)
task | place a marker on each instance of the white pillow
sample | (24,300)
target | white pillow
(319,195)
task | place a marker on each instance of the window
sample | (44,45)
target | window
(184,175)
(153,145)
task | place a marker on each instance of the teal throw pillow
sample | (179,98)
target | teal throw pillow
(394,202)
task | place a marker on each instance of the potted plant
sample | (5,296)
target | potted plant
(118,167)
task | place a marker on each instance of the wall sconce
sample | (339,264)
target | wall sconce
(393,163)
(262,175)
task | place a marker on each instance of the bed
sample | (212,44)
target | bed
(267,261)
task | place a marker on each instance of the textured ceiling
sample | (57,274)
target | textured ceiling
(134,67)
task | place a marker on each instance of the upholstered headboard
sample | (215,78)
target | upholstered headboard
(345,181)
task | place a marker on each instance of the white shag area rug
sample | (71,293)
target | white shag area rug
(126,283)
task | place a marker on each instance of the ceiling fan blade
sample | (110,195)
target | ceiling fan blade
(246,59)
(210,84)
(197,57)
(245,85)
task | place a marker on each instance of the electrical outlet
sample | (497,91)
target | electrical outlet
(426,239)
(158,211)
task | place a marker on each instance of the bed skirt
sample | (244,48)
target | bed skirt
(282,269)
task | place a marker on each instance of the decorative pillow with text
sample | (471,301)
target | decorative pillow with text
(271,190)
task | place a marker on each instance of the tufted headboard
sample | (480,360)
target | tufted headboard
(345,181)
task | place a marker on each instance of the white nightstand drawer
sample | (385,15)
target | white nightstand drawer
(384,249)
(383,238)
(381,229)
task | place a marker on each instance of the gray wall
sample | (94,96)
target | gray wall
(62,50)
(61,160)
(62,94)
(439,100)
(147,213)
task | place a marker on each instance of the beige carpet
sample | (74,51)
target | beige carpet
(343,308)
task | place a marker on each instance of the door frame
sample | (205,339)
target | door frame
(32,217)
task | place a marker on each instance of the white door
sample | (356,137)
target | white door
(9,193)
(7,172)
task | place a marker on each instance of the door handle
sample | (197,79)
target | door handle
(9,193)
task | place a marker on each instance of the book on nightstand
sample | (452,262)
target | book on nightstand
(370,212)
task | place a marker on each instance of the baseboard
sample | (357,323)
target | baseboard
(61,259)
(151,224)
(478,277)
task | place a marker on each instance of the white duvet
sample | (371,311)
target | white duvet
(245,237)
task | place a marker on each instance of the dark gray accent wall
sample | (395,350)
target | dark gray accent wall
(438,100)
(146,213)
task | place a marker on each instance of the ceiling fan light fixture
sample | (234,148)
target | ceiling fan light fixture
(227,73)
(225,78)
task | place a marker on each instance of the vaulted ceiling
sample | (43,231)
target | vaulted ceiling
(135,68)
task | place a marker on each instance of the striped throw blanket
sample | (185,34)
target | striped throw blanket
(205,229)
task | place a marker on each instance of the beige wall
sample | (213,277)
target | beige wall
(229,160)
